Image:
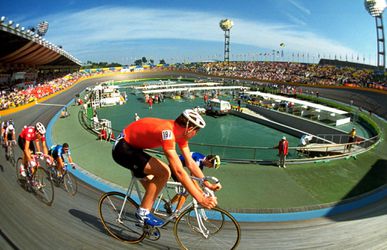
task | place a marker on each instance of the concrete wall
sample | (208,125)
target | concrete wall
(293,125)
(278,126)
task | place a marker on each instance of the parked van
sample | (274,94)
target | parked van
(218,107)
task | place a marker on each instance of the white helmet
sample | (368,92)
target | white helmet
(40,128)
(194,117)
(10,127)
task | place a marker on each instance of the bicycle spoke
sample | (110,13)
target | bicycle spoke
(19,179)
(70,183)
(207,229)
(121,227)
(43,186)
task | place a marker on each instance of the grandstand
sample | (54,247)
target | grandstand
(25,55)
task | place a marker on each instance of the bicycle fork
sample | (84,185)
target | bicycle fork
(200,215)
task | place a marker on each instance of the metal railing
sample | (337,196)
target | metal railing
(265,155)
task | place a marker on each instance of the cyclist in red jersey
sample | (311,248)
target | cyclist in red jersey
(128,151)
(26,138)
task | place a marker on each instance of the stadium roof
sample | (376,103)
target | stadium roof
(23,47)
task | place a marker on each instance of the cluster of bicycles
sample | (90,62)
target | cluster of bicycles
(41,180)
(194,227)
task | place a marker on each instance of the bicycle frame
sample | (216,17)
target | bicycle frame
(199,213)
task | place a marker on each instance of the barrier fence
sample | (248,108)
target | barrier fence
(246,154)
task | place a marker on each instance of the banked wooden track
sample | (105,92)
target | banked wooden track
(72,223)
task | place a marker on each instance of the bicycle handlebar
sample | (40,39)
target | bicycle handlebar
(41,156)
(206,178)
(72,164)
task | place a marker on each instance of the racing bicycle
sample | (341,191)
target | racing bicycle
(66,179)
(10,152)
(194,227)
(39,181)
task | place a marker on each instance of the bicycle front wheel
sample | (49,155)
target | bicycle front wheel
(19,178)
(70,183)
(43,186)
(117,215)
(11,156)
(207,229)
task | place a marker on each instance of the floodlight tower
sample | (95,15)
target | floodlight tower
(42,28)
(376,8)
(226,25)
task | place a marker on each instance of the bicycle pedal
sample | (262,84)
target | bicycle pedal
(152,234)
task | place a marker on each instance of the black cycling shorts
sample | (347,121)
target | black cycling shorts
(130,157)
(22,142)
(9,136)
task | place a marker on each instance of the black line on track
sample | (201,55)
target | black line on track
(8,240)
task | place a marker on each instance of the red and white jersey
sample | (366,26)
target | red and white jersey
(29,134)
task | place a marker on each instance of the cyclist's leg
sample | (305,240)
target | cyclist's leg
(182,199)
(59,163)
(33,151)
(21,143)
(143,165)
(161,174)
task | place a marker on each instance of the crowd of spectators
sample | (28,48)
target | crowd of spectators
(286,72)
(274,72)
(30,91)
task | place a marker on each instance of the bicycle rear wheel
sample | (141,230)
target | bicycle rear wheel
(70,183)
(120,227)
(43,186)
(207,229)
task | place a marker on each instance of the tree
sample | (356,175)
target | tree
(138,62)
(92,65)
(151,61)
(143,59)
(162,61)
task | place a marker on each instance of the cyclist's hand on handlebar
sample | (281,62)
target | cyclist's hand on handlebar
(208,202)
(213,187)
(32,163)
(49,161)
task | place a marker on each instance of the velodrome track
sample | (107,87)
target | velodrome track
(73,223)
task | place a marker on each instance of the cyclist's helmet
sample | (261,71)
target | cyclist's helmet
(11,127)
(215,160)
(194,118)
(40,128)
(10,122)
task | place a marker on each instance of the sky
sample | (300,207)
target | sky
(183,31)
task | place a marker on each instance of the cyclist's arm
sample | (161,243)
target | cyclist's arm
(183,177)
(27,151)
(195,169)
(190,163)
(60,162)
(5,138)
(45,150)
(70,159)
(44,145)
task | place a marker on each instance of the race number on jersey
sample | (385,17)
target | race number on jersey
(167,135)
